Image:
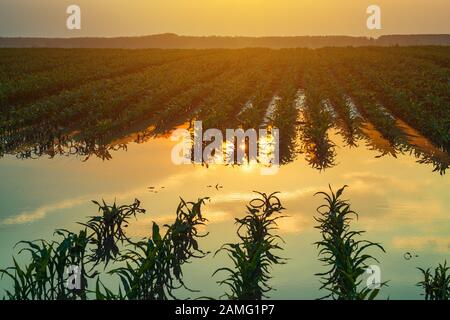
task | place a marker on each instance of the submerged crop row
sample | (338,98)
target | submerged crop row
(53,98)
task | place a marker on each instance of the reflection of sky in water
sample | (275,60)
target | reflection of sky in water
(401,204)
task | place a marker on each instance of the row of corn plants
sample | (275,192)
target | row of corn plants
(152,268)
(95,96)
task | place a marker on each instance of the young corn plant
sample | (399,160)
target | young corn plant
(436,285)
(35,280)
(46,277)
(320,151)
(340,251)
(153,268)
(108,230)
(72,251)
(254,255)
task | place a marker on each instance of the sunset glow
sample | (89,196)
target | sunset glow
(222,17)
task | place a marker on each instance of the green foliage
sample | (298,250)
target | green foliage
(436,285)
(320,150)
(154,266)
(84,107)
(108,229)
(152,269)
(45,276)
(254,255)
(345,256)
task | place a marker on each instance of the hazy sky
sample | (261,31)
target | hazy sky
(222,17)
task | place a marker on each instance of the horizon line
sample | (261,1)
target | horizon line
(222,36)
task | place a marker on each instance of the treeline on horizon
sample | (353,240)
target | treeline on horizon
(174,41)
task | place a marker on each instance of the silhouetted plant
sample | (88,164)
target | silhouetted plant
(102,293)
(320,150)
(45,277)
(253,256)
(71,251)
(436,285)
(108,230)
(31,281)
(341,252)
(154,266)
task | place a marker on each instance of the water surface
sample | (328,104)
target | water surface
(401,202)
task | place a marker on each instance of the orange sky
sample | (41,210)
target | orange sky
(222,17)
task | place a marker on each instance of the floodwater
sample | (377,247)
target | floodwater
(401,203)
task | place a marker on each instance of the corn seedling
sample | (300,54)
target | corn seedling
(436,286)
(45,277)
(108,230)
(345,256)
(154,266)
(253,256)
